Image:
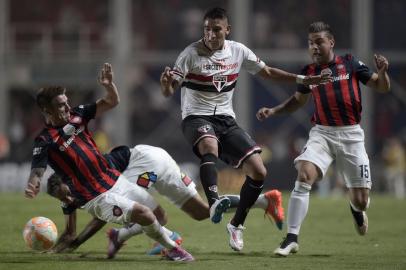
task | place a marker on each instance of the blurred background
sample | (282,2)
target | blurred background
(65,42)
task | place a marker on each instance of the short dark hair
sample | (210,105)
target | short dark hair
(320,26)
(46,94)
(54,183)
(216,13)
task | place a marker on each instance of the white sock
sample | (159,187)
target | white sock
(126,233)
(157,232)
(298,206)
(167,231)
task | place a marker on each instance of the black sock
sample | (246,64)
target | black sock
(249,193)
(234,199)
(290,237)
(208,177)
(358,216)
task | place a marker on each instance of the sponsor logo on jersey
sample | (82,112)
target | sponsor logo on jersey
(75,132)
(117,211)
(335,78)
(219,66)
(204,129)
(219,81)
(147,179)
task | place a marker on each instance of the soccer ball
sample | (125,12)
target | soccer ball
(40,233)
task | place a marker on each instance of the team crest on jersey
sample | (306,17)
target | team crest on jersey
(326,71)
(204,129)
(117,211)
(147,179)
(340,66)
(219,81)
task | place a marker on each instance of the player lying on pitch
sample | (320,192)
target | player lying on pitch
(149,168)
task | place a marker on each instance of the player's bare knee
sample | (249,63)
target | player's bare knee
(142,215)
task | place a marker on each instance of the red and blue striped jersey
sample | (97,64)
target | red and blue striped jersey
(337,103)
(72,153)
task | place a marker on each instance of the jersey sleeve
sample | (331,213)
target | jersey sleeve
(40,153)
(119,157)
(87,111)
(251,62)
(362,72)
(182,65)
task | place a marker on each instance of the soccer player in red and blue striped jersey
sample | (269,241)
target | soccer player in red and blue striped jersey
(336,134)
(67,146)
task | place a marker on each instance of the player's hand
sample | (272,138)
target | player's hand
(317,79)
(106,75)
(381,63)
(33,187)
(264,113)
(166,81)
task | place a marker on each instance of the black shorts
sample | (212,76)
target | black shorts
(235,145)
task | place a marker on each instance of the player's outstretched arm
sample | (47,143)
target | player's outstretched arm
(288,106)
(276,74)
(111,99)
(380,80)
(34,182)
(91,228)
(167,82)
(68,235)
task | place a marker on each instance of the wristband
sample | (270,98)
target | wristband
(300,78)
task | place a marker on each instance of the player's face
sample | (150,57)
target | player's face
(59,113)
(63,194)
(215,32)
(321,47)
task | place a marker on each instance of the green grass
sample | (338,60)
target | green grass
(328,240)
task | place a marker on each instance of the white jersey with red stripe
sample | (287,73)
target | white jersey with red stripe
(208,78)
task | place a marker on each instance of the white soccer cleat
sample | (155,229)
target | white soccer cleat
(286,248)
(362,230)
(236,236)
(218,208)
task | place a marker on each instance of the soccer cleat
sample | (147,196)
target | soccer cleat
(218,208)
(236,238)
(114,245)
(275,208)
(178,254)
(287,247)
(362,230)
(158,248)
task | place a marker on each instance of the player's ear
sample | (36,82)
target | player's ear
(332,42)
(228,30)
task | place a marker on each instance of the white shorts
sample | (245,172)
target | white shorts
(116,204)
(153,168)
(346,146)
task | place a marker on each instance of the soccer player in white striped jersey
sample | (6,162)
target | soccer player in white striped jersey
(207,72)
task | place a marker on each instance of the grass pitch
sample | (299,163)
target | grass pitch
(328,239)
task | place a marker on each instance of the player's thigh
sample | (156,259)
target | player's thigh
(318,151)
(353,163)
(195,129)
(176,186)
(254,167)
(237,146)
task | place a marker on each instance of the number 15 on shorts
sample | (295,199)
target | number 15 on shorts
(364,171)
